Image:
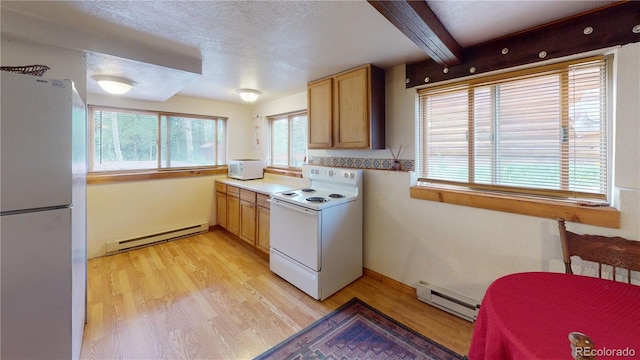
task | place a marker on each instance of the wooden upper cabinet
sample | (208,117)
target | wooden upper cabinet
(354,100)
(351,116)
(320,113)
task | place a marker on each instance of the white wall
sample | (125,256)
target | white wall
(295,102)
(63,64)
(131,209)
(461,248)
(126,210)
(456,247)
(464,249)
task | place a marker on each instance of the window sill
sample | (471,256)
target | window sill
(600,216)
(293,172)
(113,177)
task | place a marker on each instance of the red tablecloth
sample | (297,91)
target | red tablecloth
(529,316)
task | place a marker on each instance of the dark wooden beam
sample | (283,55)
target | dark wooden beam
(418,22)
(610,26)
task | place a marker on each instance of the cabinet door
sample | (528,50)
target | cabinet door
(264,216)
(233,215)
(320,113)
(248,222)
(220,187)
(221,209)
(351,105)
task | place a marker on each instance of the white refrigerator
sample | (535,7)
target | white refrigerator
(43,218)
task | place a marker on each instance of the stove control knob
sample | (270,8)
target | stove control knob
(330,172)
(346,175)
(352,175)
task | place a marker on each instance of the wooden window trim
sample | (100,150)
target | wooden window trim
(118,177)
(606,216)
(292,172)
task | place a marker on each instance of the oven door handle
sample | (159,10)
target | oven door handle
(292,207)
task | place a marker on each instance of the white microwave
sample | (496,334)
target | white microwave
(245,169)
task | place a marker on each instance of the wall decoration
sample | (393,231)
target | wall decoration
(258,122)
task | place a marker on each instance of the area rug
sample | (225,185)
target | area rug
(357,331)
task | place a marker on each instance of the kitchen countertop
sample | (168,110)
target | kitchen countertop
(268,185)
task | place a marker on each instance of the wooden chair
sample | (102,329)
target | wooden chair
(582,346)
(616,252)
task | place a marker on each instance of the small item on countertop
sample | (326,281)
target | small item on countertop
(592,203)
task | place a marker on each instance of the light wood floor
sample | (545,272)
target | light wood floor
(210,297)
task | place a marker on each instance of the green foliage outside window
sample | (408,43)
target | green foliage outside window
(127,140)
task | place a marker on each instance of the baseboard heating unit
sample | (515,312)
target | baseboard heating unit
(448,301)
(146,240)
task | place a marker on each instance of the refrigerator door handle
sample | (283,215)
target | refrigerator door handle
(26,211)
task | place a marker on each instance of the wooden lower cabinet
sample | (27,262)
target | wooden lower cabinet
(263,213)
(244,213)
(248,216)
(221,209)
(233,210)
(248,222)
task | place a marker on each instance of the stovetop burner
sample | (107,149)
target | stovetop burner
(317,199)
(325,189)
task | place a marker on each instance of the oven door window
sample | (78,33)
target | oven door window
(296,234)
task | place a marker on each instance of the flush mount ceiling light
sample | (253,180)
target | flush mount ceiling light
(249,95)
(114,85)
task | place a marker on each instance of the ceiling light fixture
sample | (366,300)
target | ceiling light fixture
(113,84)
(249,95)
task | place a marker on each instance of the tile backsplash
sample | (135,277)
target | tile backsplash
(361,163)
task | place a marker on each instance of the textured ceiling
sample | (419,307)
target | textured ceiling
(208,49)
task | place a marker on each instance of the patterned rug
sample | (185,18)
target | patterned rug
(357,331)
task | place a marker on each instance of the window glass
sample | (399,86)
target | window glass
(288,139)
(446,143)
(280,142)
(298,140)
(124,141)
(128,140)
(189,142)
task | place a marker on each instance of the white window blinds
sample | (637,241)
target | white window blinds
(540,131)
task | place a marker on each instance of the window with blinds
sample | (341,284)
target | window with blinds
(540,131)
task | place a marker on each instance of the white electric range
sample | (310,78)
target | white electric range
(316,232)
